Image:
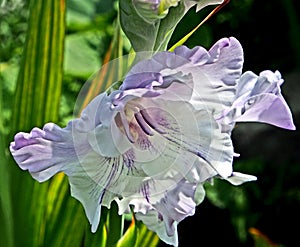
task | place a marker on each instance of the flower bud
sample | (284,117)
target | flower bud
(152,10)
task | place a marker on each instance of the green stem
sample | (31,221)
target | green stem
(115,225)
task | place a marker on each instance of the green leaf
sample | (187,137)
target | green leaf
(6,226)
(167,27)
(148,36)
(64,217)
(146,238)
(138,235)
(36,101)
(40,77)
(114,225)
(81,59)
(136,28)
(130,236)
(100,237)
(88,14)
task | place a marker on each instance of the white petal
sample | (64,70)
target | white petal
(238,178)
(151,221)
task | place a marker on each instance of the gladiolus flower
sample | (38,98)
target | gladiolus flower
(151,144)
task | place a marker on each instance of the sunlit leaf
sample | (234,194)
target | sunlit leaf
(130,236)
(36,101)
(6,226)
(146,238)
(138,235)
(260,239)
(64,216)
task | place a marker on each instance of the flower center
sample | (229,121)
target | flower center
(134,120)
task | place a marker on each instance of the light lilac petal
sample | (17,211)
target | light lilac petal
(246,84)
(89,193)
(51,150)
(259,99)
(193,142)
(197,55)
(267,108)
(214,73)
(36,153)
(177,204)
(90,117)
(151,220)
(163,212)
(166,66)
(215,81)
(142,80)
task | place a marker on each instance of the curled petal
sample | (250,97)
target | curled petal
(35,151)
(164,213)
(142,80)
(259,99)
(215,81)
(214,73)
(51,150)
(238,178)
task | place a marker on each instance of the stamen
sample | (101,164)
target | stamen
(126,126)
(150,122)
(145,127)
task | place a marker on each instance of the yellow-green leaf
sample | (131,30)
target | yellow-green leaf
(130,236)
(36,101)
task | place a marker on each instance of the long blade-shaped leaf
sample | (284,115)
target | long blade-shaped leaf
(37,101)
(6,226)
(40,78)
(146,238)
(130,236)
